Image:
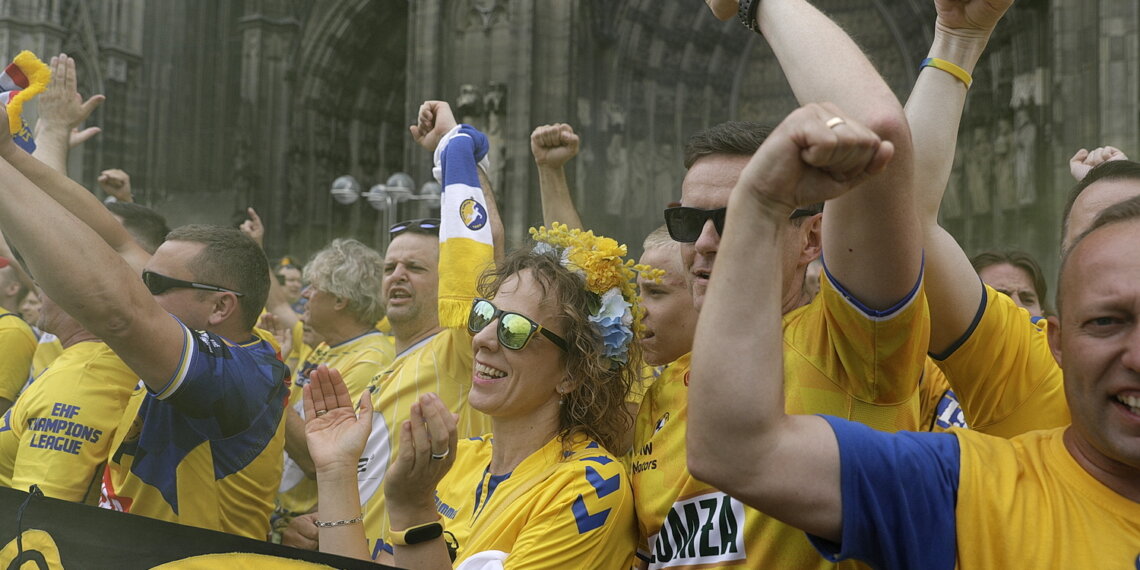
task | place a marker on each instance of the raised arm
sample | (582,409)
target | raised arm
(869,234)
(277,303)
(82,274)
(1085,160)
(934,110)
(552,146)
(739,438)
(117,184)
(433,122)
(61,111)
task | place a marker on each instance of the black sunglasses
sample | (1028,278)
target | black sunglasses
(514,330)
(158,284)
(424,225)
(685,224)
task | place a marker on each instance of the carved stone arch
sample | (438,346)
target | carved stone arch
(348,94)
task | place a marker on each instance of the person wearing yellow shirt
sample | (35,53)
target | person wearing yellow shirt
(555,355)
(1064,497)
(17,340)
(59,432)
(343,303)
(201,441)
(856,349)
(431,269)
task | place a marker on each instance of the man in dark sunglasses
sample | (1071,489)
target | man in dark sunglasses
(857,350)
(201,443)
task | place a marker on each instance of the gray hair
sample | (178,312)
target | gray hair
(351,271)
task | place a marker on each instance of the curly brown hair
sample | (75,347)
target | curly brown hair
(596,407)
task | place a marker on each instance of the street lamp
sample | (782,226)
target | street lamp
(386,198)
(345,190)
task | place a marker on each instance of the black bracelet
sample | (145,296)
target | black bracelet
(747,14)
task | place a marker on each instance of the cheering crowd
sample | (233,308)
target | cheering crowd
(448,404)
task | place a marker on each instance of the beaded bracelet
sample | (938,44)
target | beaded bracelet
(323,524)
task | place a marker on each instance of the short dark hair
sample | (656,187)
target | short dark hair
(1018,259)
(147,226)
(1111,170)
(232,260)
(740,138)
(1125,211)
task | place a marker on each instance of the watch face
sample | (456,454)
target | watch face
(423,533)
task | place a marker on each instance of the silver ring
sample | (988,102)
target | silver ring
(440,456)
(834,122)
(321,413)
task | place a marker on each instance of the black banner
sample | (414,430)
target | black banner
(60,534)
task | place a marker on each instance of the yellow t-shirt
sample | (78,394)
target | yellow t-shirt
(1033,482)
(207,449)
(17,345)
(48,348)
(1003,372)
(59,432)
(440,364)
(299,351)
(358,360)
(967,500)
(563,507)
(839,359)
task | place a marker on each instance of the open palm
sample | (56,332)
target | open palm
(336,433)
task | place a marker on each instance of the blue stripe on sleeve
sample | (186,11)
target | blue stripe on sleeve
(585,520)
(600,484)
(899,497)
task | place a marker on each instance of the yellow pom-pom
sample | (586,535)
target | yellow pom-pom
(39,75)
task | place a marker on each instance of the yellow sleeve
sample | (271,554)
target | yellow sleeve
(69,417)
(1004,374)
(17,345)
(593,528)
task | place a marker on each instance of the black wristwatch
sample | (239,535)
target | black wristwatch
(417,534)
(747,14)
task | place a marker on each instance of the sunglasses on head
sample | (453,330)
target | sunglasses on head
(158,284)
(423,225)
(514,330)
(685,224)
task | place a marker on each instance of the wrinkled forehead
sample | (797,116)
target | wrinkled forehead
(1104,262)
(408,246)
(709,182)
(1097,197)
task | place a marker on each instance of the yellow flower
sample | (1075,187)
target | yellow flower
(600,260)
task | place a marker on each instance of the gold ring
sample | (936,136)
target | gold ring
(834,122)
(321,413)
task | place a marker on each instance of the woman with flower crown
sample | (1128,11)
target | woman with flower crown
(555,353)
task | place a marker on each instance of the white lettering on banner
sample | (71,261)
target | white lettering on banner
(706,529)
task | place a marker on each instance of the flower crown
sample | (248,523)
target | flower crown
(614,307)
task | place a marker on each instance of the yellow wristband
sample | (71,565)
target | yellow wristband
(948,67)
